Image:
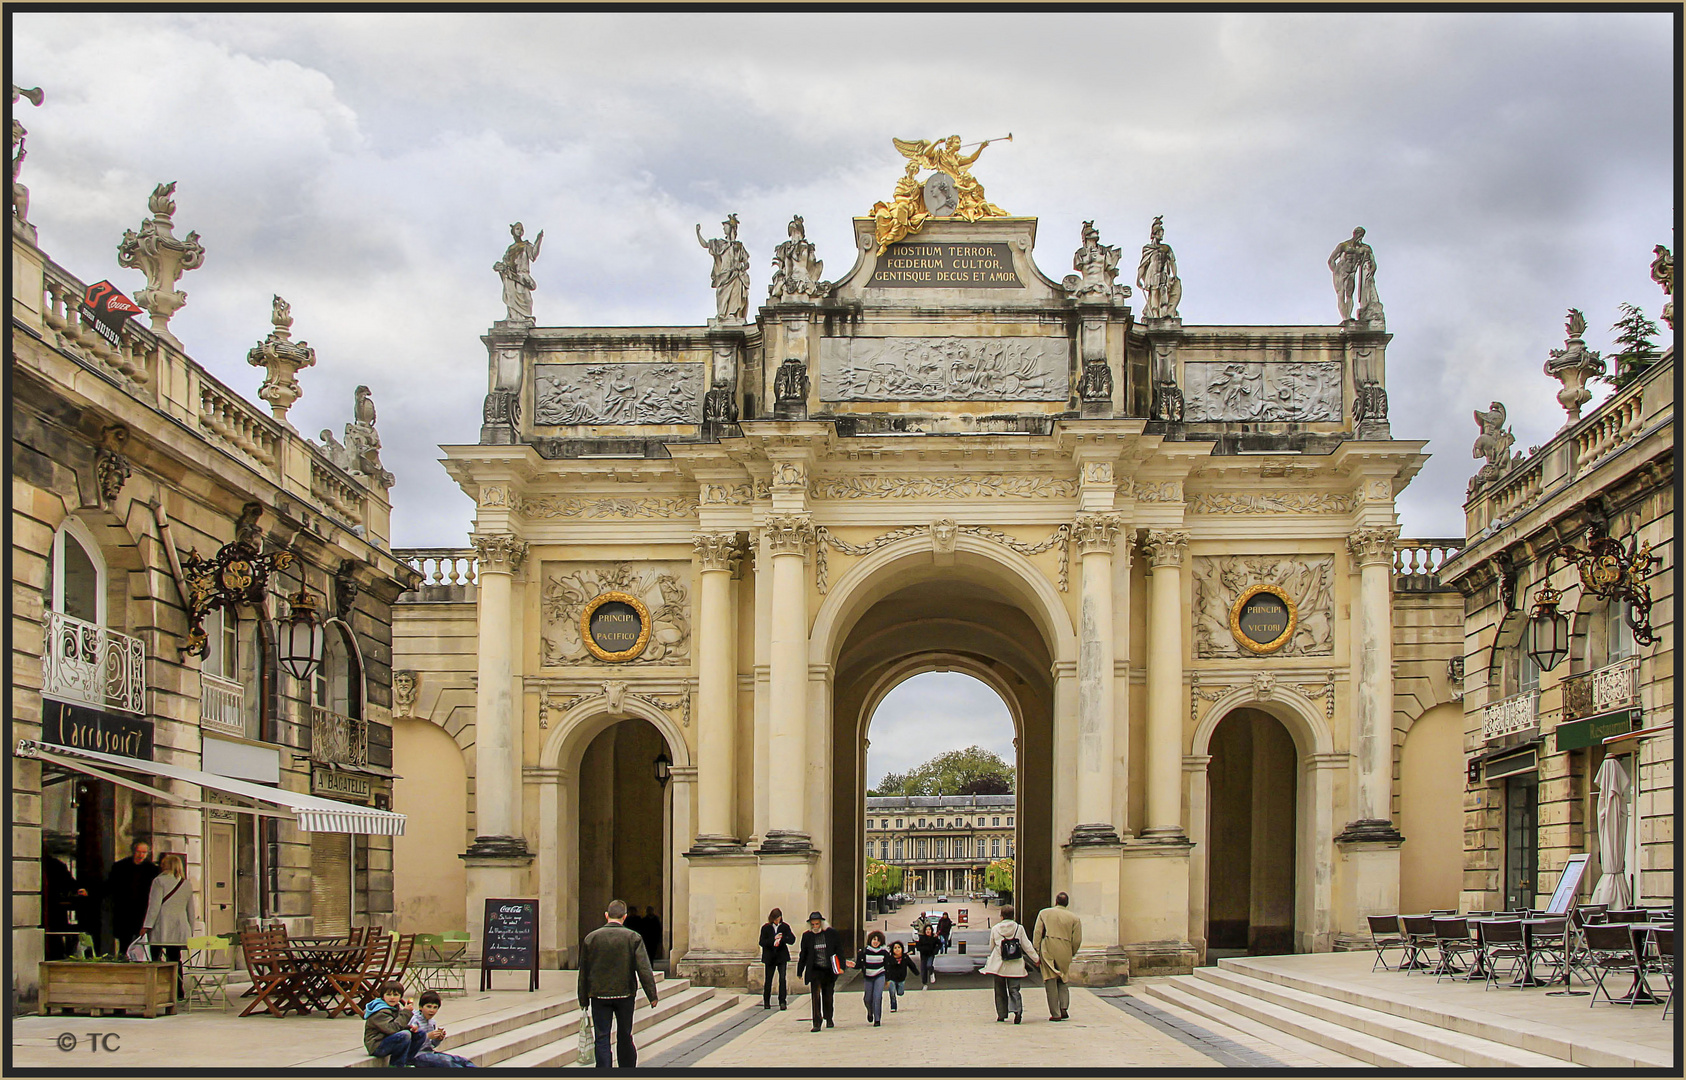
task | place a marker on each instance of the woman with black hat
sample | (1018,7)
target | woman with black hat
(819,963)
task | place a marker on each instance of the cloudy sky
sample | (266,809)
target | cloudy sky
(931,713)
(1507,166)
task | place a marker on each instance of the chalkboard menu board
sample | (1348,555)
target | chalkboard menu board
(509,940)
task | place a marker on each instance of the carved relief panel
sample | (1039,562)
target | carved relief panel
(1291,392)
(662,588)
(565,394)
(1307,581)
(945,369)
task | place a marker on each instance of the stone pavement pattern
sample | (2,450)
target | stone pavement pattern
(957,1029)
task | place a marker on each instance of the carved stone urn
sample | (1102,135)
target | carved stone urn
(156,252)
(1573,365)
(281,358)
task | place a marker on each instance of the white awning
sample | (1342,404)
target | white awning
(309,812)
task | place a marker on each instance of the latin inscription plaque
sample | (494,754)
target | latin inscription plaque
(923,265)
(1263,619)
(615,626)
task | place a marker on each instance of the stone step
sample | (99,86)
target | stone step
(1354,1044)
(667,1034)
(1444,1043)
(1292,1051)
(562,1048)
(1589,1050)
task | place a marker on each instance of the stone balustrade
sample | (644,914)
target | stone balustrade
(1416,563)
(234,422)
(342,498)
(1612,427)
(445,572)
(129,353)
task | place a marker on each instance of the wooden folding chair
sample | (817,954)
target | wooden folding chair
(404,947)
(273,976)
(361,981)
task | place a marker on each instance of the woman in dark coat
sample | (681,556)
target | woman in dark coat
(928,945)
(777,936)
(819,962)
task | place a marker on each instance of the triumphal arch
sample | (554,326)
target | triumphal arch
(705,553)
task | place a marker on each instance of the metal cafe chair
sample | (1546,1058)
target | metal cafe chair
(1385,934)
(1452,938)
(205,971)
(1663,937)
(1500,939)
(1419,938)
(1611,948)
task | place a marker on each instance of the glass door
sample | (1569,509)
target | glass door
(1522,849)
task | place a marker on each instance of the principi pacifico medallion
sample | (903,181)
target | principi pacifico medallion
(951,190)
(1263,619)
(615,626)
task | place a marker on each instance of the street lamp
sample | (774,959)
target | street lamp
(299,636)
(664,768)
(1548,630)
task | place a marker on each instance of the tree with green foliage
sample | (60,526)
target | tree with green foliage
(1636,348)
(972,771)
(998,877)
(882,879)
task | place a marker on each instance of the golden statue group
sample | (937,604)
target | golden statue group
(951,192)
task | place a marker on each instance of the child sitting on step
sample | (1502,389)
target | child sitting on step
(428,1056)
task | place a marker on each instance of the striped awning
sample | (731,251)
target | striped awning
(311,813)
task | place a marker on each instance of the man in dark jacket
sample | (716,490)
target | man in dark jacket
(613,963)
(945,926)
(777,937)
(127,887)
(819,961)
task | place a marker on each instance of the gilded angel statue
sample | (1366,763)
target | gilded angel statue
(951,192)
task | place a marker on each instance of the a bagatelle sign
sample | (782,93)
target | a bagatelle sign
(341,785)
(971,265)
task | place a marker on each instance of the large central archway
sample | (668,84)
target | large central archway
(901,613)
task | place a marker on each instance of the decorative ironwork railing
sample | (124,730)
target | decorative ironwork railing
(337,739)
(222,706)
(1606,689)
(93,665)
(1512,716)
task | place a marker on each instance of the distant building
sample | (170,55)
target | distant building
(941,842)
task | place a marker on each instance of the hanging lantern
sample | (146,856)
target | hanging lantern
(664,768)
(1548,630)
(299,636)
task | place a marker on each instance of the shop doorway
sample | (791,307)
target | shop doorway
(624,831)
(1522,846)
(1252,799)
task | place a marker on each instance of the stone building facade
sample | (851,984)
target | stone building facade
(941,842)
(703,554)
(1535,741)
(129,462)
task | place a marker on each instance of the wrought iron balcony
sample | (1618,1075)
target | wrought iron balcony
(336,739)
(93,665)
(222,706)
(1512,716)
(1606,689)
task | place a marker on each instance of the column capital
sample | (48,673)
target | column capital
(499,553)
(1373,545)
(1165,547)
(790,534)
(1095,533)
(718,551)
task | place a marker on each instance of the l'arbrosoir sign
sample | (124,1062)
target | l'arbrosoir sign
(913,265)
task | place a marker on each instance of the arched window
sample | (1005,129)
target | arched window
(337,684)
(76,574)
(995,848)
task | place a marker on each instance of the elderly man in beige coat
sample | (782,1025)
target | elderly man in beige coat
(1058,936)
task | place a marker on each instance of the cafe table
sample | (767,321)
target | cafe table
(314,964)
(1640,993)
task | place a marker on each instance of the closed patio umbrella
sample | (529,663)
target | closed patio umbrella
(1612,886)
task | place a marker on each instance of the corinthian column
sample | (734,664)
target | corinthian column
(497,782)
(788,538)
(1372,548)
(717,676)
(1095,535)
(1165,551)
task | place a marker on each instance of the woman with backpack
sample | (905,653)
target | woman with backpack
(1009,948)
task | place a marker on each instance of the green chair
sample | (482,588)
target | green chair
(440,963)
(205,971)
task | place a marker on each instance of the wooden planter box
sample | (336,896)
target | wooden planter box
(99,989)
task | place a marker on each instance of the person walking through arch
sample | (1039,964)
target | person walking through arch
(1008,951)
(945,927)
(1058,936)
(613,963)
(819,962)
(927,945)
(777,937)
(128,887)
